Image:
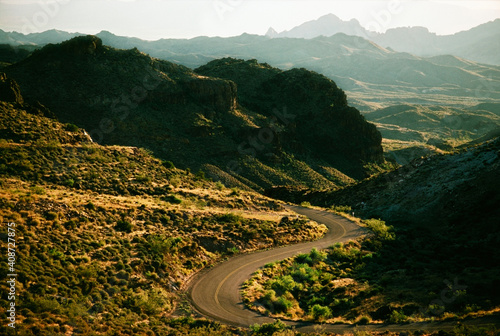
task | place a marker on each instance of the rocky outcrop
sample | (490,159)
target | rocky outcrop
(9,90)
(76,47)
(317,119)
(220,94)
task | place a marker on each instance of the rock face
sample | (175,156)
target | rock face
(262,125)
(18,123)
(321,122)
(9,90)
(219,94)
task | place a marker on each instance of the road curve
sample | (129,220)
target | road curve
(215,293)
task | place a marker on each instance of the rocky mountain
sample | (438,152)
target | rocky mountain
(327,25)
(480,44)
(241,121)
(373,77)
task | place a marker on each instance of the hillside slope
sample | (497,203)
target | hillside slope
(106,236)
(126,97)
(444,213)
(411,131)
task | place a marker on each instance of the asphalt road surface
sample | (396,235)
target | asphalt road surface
(215,292)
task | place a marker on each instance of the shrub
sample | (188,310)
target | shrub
(70,127)
(38,190)
(320,313)
(282,284)
(282,305)
(172,199)
(364,320)
(200,175)
(124,226)
(397,317)
(235,192)
(143,179)
(168,164)
(230,218)
(51,215)
(317,256)
(268,328)
(341,208)
(381,230)
(90,205)
(69,182)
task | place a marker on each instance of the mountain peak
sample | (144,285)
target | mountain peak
(329,17)
(326,25)
(272,33)
(105,33)
(80,45)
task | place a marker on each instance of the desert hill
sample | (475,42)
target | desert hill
(205,119)
(107,235)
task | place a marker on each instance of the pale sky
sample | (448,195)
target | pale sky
(155,19)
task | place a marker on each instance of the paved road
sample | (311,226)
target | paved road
(215,293)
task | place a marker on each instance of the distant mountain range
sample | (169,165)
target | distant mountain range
(480,44)
(327,25)
(375,75)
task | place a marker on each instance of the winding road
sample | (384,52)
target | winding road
(215,292)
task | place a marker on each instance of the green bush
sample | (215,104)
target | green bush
(282,305)
(172,199)
(281,284)
(381,231)
(69,182)
(38,190)
(320,313)
(397,317)
(200,175)
(268,329)
(51,215)
(70,127)
(364,320)
(341,208)
(317,256)
(230,218)
(124,226)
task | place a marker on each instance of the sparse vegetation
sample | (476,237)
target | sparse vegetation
(105,238)
(362,282)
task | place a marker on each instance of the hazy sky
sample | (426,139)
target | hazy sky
(155,19)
